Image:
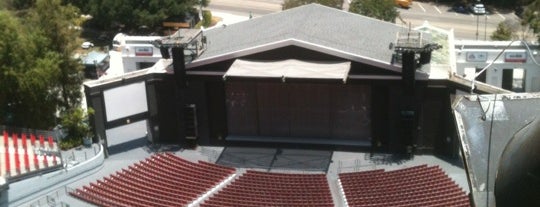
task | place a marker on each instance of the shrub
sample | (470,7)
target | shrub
(207,18)
(76,124)
(503,32)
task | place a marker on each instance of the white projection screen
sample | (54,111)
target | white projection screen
(125,100)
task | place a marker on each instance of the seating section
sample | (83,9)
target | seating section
(23,153)
(160,180)
(168,180)
(256,188)
(415,186)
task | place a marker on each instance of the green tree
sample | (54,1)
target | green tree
(59,29)
(27,75)
(503,32)
(531,17)
(130,15)
(77,126)
(18,4)
(380,9)
(38,73)
(288,4)
(207,18)
(81,4)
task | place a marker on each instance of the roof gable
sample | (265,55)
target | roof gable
(316,27)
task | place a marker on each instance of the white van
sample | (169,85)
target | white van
(137,52)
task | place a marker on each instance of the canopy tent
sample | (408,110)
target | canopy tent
(290,68)
(94,58)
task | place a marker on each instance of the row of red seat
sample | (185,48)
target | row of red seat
(367,173)
(276,190)
(151,188)
(250,202)
(415,186)
(168,180)
(167,183)
(396,174)
(405,181)
(255,188)
(442,201)
(300,179)
(160,180)
(203,169)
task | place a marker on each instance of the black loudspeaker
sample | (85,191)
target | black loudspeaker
(179,66)
(425,57)
(408,70)
(164,52)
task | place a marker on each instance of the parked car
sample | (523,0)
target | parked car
(86,45)
(460,8)
(519,11)
(478,8)
(403,3)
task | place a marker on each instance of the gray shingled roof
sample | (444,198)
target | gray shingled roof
(332,31)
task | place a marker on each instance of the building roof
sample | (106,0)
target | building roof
(315,27)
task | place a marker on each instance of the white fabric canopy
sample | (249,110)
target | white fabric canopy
(290,68)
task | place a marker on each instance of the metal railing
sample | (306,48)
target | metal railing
(52,199)
(356,166)
(77,155)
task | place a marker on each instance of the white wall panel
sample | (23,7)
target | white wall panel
(125,101)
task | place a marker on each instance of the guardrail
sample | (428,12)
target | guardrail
(80,154)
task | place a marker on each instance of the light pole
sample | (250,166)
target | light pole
(477,19)
(200,10)
(485,27)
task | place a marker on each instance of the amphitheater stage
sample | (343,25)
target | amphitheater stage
(272,159)
(300,140)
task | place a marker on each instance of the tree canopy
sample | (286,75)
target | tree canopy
(18,4)
(38,75)
(380,9)
(531,17)
(288,4)
(503,32)
(130,15)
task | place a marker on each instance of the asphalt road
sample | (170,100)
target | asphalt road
(244,7)
(465,26)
